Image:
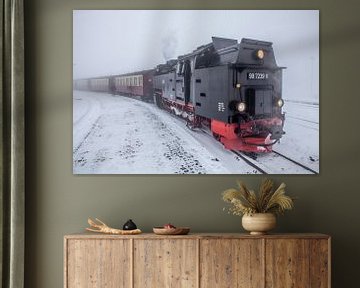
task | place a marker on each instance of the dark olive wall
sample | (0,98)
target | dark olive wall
(59,203)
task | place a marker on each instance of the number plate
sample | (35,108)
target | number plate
(257,76)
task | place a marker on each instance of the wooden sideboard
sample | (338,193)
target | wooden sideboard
(197,260)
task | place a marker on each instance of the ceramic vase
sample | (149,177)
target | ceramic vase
(259,223)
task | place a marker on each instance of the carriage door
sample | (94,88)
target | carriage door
(187,80)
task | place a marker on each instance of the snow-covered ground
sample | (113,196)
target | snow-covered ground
(119,135)
(301,141)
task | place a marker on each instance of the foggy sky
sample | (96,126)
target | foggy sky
(118,41)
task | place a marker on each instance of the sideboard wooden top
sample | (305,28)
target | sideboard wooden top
(199,236)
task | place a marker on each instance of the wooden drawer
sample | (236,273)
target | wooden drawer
(231,263)
(99,263)
(165,263)
(297,263)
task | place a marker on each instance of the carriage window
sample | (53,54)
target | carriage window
(135,81)
(141,81)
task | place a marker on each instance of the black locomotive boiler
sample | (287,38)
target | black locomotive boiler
(234,88)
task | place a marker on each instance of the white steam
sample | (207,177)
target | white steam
(169,45)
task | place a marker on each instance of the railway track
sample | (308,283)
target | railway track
(274,163)
(296,162)
(249,161)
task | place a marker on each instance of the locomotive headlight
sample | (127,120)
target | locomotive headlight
(260,54)
(280,103)
(241,106)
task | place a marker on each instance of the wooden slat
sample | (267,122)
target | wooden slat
(65,263)
(319,263)
(287,263)
(198,263)
(165,263)
(131,252)
(98,263)
(329,263)
(231,263)
(263,251)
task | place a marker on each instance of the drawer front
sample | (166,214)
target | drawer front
(231,263)
(167,263)
(98,263)
(297,263)
(287,263)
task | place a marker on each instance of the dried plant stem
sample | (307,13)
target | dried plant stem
(268,200)
(101,227)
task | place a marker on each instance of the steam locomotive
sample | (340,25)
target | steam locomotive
(235,89)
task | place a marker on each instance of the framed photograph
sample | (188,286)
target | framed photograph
(196,92)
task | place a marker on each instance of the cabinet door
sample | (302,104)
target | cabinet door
(165,263)
(231,263)
(287,263)
(98,263)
